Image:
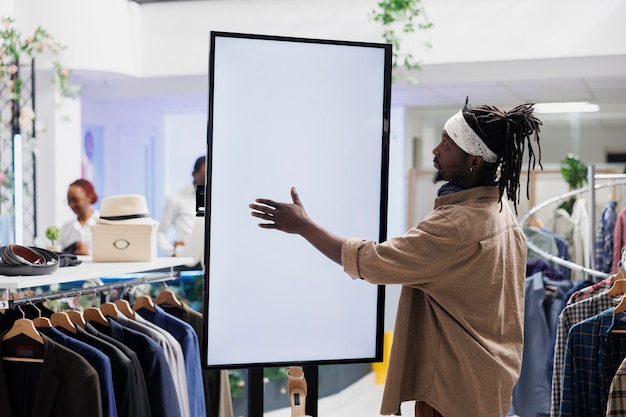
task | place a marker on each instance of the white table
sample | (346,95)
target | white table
(89,270)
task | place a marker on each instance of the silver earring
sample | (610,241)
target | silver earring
(471,169)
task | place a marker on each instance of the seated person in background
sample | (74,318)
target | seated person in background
(76,234)
(180,212)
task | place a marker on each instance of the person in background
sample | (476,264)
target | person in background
(458,339)
(76,234)
(87,159)
(180,211)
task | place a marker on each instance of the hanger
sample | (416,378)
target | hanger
(109,309)
(620,307)
(77,317)
(168,297)
(535,222)
(144,301)
(618,287)
(95,315)
(125,308)
(40,321)
(62,319)
(23,328)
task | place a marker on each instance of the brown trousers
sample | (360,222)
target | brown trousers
(422,409)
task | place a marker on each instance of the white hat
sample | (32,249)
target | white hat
(125,209)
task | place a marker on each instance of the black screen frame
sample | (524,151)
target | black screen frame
(384,176)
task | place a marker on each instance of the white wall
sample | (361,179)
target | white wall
(118,120)
(185,140)
(171,38)
(100,35)
(158,54)
(58,152)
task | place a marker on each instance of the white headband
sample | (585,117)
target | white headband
(462,134)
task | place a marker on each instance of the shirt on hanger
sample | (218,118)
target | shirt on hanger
(571,315)
(592,356)
(125,387)
(604,238)
(70,385)
(159,381)
(173,354)
(531,393)
(217,395)
(188,340)
(141,401)
(616,405)
(619,239)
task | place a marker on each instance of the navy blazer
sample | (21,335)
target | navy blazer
(124,385)
(97,359)
(159,380)
(186,336)
(141,401)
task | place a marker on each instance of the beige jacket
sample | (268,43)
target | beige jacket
(459,328)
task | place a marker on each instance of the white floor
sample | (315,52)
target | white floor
(361,399)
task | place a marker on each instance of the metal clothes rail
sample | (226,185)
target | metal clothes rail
(149,277)
(618,179)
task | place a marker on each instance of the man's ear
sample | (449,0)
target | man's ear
(476,162)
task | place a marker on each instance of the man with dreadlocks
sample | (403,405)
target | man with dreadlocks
(457,344)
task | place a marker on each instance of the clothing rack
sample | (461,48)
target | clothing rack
(149,277)
(618,179)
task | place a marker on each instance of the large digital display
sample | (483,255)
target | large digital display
(286,112)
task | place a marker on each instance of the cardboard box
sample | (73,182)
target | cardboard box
(123,242)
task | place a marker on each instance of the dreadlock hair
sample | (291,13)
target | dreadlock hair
(506,133)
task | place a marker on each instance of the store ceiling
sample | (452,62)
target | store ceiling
(440,87)
(599,80)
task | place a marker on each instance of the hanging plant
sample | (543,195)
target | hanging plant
(400,19)
(17,53)
(14,48)
(574,172)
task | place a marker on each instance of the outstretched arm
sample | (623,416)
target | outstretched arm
(292,218)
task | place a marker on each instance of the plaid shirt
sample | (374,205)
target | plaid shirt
(571,315)
(592,357)
(616,406)
(590,291)
(604,238)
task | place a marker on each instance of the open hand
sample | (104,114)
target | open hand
(287,217)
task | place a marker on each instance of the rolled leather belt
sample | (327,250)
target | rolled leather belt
(27,260)
(22,255)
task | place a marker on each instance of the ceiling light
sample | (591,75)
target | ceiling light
(568,107)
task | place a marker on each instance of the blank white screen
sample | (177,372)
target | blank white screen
(303,114)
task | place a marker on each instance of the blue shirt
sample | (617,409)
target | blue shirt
(604,238)
(592,356)
(531,394)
